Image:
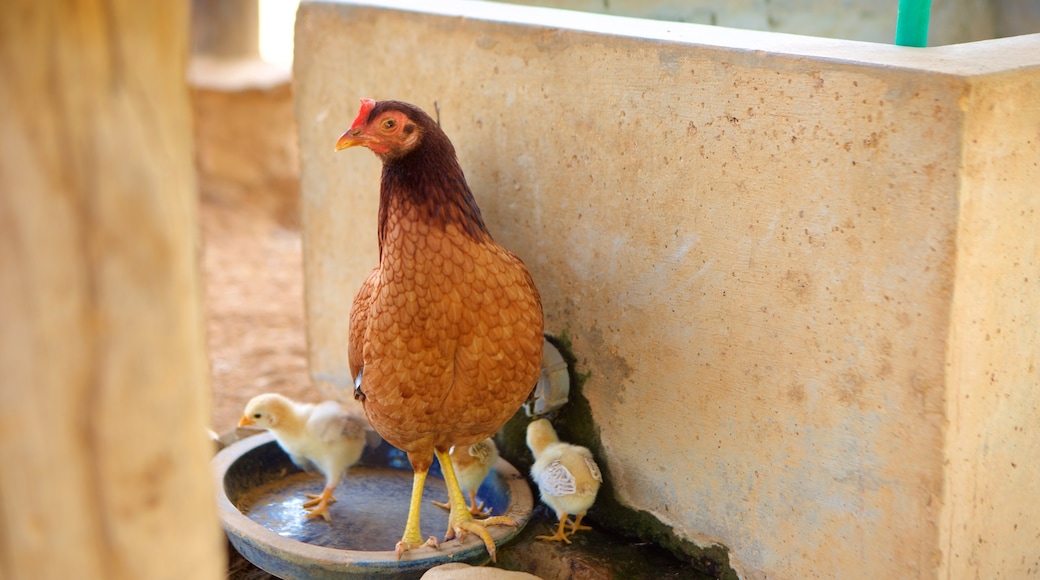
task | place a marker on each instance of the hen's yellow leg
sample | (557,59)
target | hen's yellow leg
(412,538)
(460,520)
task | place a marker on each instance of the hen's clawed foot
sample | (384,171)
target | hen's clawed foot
(460,520)
(461,527)
(404,546)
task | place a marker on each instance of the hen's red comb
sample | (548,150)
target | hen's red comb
(366,109)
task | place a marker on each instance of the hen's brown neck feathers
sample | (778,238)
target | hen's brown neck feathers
(429,179)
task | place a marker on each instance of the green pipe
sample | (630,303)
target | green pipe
(912,22)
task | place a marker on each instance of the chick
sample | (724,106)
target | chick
(472,464)
(567,477)
(318,436)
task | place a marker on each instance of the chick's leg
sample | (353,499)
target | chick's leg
(560,535)
(577,524)
(460,520)
(316,498)
(318,505)
(476,508)
(412,537)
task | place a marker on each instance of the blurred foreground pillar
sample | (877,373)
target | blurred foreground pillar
(104,394)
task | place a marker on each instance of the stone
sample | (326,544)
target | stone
(460,571)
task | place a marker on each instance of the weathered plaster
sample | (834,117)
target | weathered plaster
(989,523)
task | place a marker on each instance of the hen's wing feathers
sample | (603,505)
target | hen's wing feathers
(359,322)
(500,332)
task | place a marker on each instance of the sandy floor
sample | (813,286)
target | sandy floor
(253,281)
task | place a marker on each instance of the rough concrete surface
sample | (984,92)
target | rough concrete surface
(784,261)
(990,497)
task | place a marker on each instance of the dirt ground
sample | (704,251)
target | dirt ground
(253,285)
(249,212)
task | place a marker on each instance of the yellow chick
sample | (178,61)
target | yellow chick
(472,464)
(318,436)
(567,477)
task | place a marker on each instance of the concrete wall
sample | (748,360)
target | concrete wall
(802,272)
(991,492)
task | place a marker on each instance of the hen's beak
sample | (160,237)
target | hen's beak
(245,421)
(351,138)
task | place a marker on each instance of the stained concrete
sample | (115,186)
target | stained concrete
(801,272)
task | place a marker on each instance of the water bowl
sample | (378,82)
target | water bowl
(259,497)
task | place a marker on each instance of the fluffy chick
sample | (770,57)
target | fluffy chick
(472,464)
(567,477)
(318,436)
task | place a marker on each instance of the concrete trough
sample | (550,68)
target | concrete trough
(802,272)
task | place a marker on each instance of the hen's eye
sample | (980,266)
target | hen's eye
(389,124)
(257,415)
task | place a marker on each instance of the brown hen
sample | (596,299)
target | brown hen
(446,332)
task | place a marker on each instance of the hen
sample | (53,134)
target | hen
(318,436)
(567,477)
(446,332)
(472,464)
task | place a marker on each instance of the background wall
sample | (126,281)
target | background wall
(769,251)
(952,21)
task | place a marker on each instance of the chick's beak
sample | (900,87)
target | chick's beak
(351,138)
(245,421)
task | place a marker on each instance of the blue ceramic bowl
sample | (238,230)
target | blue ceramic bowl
(259,497)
